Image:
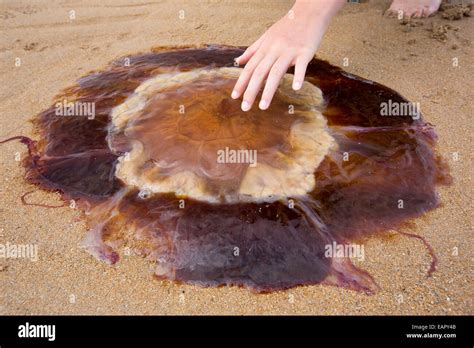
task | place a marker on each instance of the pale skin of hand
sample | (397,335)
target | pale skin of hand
(292,41)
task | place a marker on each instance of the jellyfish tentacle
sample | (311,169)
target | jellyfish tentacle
(434,258)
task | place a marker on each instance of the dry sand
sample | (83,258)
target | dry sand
(56,50)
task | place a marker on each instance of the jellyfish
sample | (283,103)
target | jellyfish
(167,165)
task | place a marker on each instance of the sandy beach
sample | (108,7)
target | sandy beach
(44,50)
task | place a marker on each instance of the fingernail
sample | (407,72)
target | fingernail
(263,104)
(234,94)
(296,85)
(245,106)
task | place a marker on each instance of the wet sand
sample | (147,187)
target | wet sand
(56,50)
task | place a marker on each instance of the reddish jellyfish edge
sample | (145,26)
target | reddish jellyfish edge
(382,172)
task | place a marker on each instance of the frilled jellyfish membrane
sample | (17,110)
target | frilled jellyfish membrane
(182,134)
(168,166)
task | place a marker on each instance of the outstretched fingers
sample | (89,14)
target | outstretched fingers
(276,73)
(245,75)
(249,52)
(269,67)
(301,64)
(255,84)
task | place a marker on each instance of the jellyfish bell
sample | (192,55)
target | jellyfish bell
(183,134)
(171,168)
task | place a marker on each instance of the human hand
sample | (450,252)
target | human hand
(292,41)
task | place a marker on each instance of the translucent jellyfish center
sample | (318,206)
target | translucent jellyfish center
(181,133)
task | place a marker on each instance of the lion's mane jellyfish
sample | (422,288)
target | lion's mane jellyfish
(170,167)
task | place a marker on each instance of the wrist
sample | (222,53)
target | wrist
(317,9)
